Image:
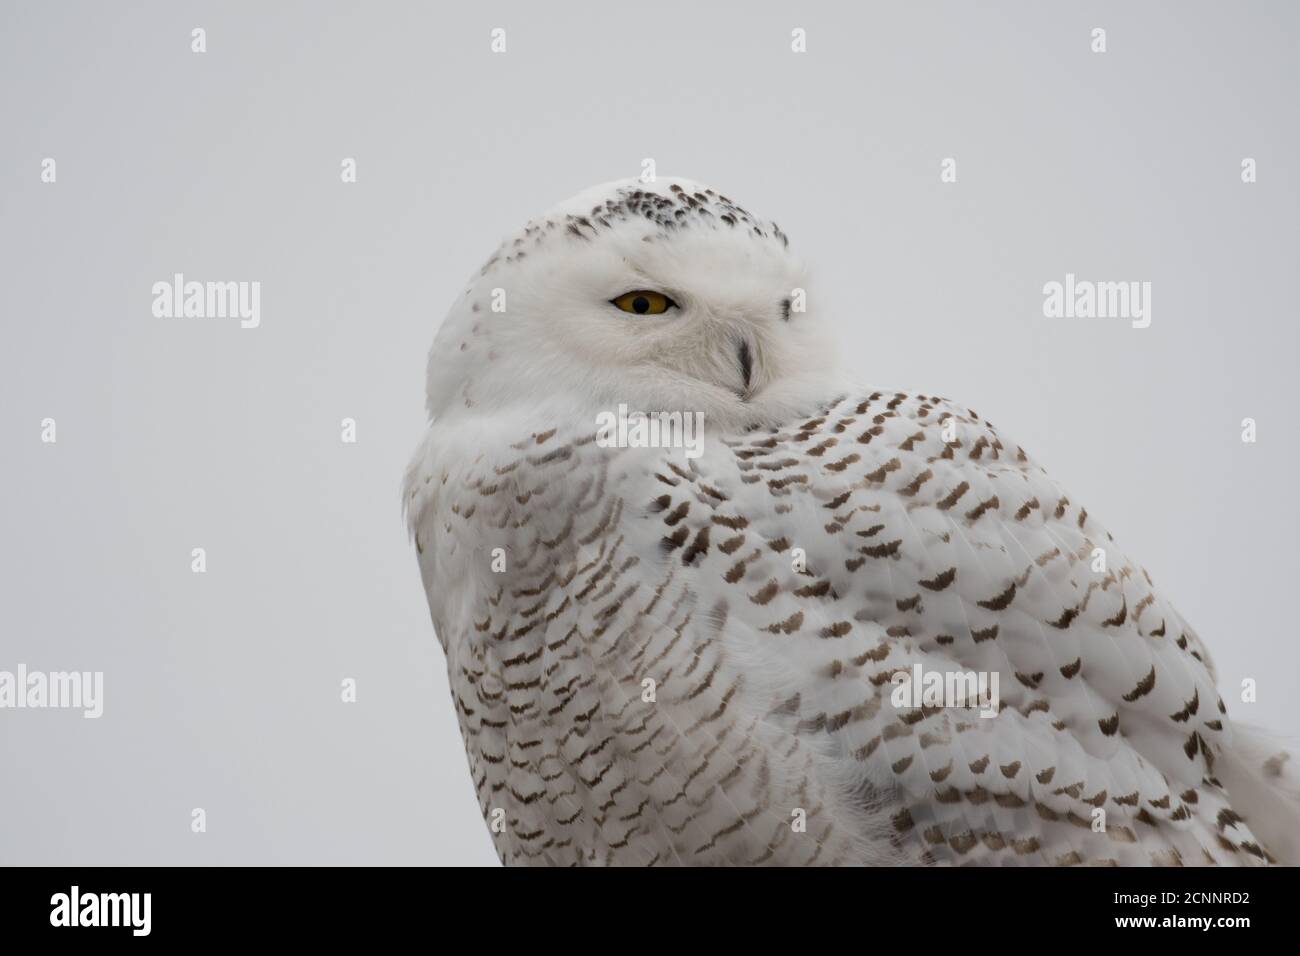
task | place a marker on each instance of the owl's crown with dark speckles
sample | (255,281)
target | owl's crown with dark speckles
(676,209)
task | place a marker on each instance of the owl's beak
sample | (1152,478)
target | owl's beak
(746,357)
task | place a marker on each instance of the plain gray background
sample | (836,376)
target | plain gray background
(222,689)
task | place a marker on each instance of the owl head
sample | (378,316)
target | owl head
(664,296)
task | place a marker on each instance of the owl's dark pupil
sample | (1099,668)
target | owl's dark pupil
(640,305)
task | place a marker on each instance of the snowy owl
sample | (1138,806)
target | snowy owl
(704,600)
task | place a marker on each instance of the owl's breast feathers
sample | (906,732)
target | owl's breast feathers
(724,659)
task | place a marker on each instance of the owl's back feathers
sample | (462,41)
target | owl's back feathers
(660,659)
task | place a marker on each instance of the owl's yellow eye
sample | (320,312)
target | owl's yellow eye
(642,302)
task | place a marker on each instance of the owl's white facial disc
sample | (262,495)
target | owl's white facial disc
(664,297)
